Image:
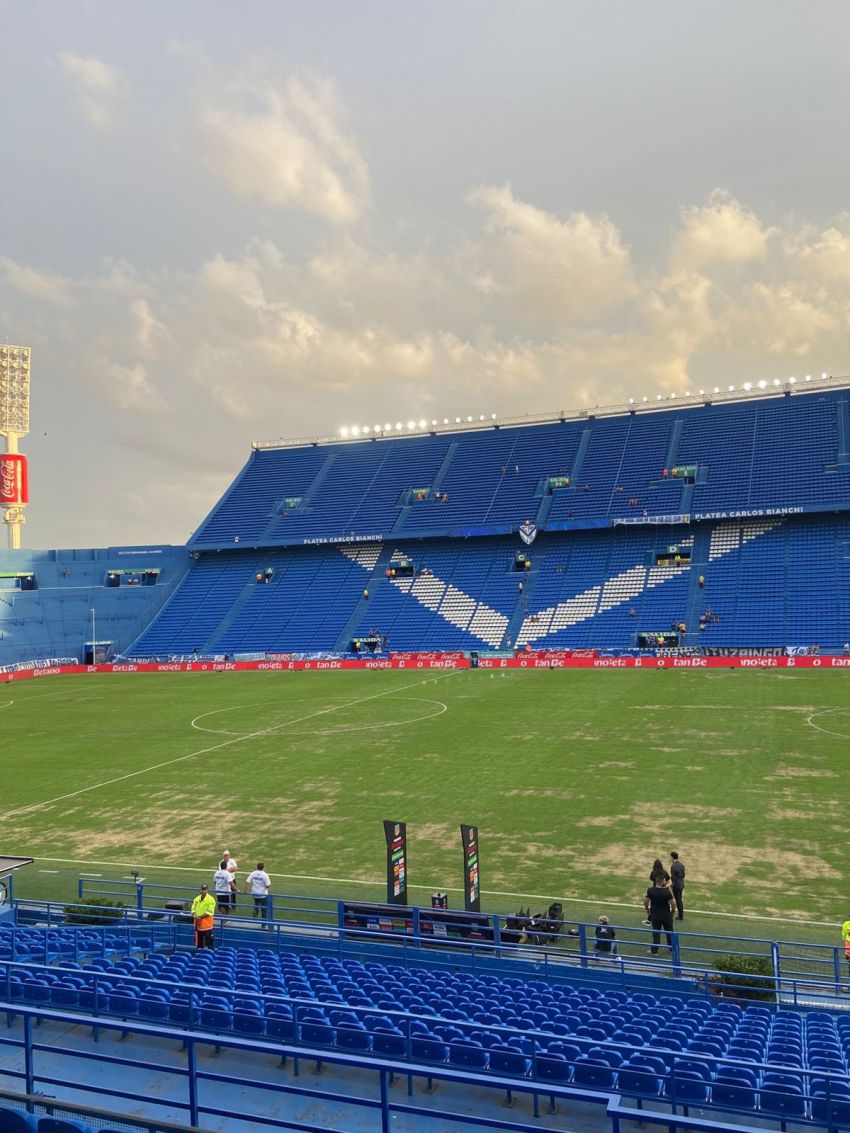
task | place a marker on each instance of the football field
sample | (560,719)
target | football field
(577,780)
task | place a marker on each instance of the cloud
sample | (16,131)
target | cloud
(254,344)
(829,255)
(721,231)
(98,87)
(563,269)
(45,286)
(779,320)
(283,144)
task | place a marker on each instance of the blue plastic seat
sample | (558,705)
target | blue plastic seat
(783,1094)
(594,1073)
(17,1121)
(469,1054)
(504,1059)
(639,1079)
(62,1125)
(389,1041)
(735,1088)
(353,1036)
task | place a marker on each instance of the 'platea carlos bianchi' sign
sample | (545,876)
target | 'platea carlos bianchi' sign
(13,479)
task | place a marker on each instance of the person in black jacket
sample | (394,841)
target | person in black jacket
(677,878)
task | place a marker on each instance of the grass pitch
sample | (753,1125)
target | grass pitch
(577,780)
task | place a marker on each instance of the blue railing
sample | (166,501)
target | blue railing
(789,960)
(182,1080)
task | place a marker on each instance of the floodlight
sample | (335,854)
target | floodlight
(717,389)
(777,382)
(631,401)
(445,420)
(792,381)
(824,376)
(748,386)
(14,389)
(702,393)
(434,421)
(355,430)
(343,431)
(808,377)
(731,389)
(423,424)
(388,427)
(646,399)
(493,415)
(411,424)
(399,425)
(762,384)
(468,419)
(457,420)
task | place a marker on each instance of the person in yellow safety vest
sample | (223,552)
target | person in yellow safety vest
(203,912)
(845,936)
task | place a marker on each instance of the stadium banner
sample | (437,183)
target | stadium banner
(14,488)
(471,875)
(532,661)
(395,834)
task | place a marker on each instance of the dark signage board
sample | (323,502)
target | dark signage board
(396,837)
(471,873)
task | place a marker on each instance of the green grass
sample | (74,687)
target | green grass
(577,780)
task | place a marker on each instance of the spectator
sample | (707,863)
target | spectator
(365,594)
(845,936)
(658,875)
(659,906)
(701,581)
(677,879)
(605,945)
(203,914)
(223,886)
(259,883)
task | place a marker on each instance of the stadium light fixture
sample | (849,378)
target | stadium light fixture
(748,386)
(824,376)
(717,389)
(355,430)
(14,423)
(493,415)
(792,381)
(343,431)
(762,384)
(808,377)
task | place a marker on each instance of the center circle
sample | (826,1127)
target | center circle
(313,721)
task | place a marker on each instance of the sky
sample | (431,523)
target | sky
(222,223)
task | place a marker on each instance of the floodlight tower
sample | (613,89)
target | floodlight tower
(14,423)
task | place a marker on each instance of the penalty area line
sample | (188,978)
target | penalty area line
(215,747)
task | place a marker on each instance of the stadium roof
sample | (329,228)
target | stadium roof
(747,391)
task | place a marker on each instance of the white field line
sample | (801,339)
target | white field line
(8,704)
(207,750)
(379,882)
(827,731)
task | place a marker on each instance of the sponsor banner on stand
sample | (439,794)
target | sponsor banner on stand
(579,660)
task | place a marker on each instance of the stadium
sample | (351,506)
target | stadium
(428,646)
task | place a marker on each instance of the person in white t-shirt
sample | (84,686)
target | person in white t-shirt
(223,888)
(259,883)
(231,865)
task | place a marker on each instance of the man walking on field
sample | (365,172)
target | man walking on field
(259,883)
(677,883)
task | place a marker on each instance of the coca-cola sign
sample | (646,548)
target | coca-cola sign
(13,479)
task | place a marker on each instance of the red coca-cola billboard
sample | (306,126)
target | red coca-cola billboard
(13,479)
